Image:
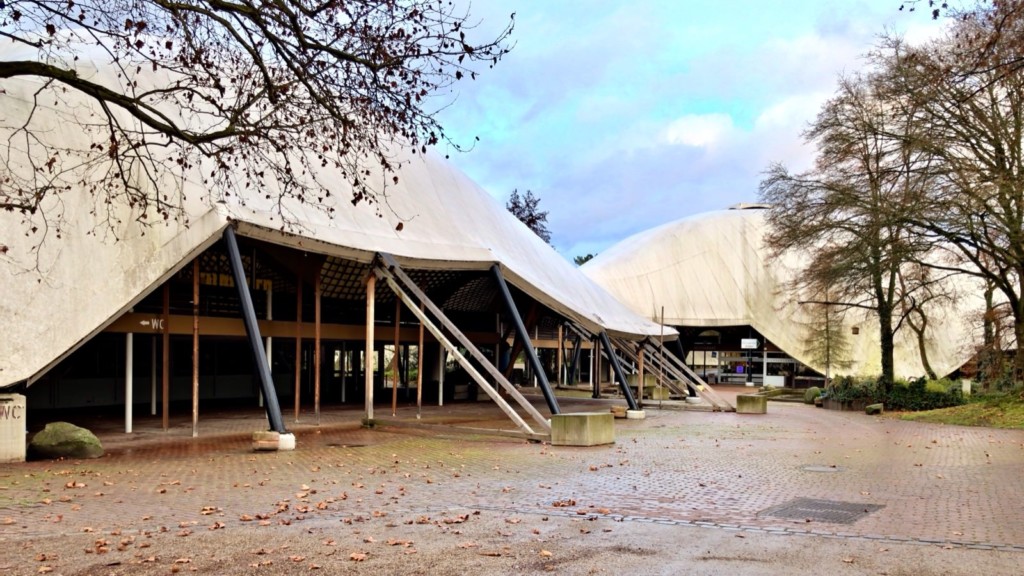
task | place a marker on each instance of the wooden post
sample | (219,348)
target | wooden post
(561,378)
(298,342)
(419,371)
(195,347)
(371,294)
(316,347)
(166,320)
(152,379)
(394,383)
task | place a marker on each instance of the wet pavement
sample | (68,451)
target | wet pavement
(797,470)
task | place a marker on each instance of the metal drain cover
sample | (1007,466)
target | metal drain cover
(831,511)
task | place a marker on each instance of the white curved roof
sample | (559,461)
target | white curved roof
(712,270)
(75,285)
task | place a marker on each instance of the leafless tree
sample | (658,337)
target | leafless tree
(257,94)
(970,122)
(840,213)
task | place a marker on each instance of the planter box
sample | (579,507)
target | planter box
(857,405)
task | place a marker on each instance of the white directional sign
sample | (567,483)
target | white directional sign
(749,344)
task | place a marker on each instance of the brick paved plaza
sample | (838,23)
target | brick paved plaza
(951,488)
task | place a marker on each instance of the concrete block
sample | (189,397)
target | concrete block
(872,409)
(751,404)
(657,393)
(582,429)
(266,440)
(12,428)
(618,411)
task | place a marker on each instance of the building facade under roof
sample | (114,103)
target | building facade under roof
(709,276)
(324,274)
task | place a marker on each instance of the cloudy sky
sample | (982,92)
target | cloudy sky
(623,115)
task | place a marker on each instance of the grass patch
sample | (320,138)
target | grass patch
(1002,411)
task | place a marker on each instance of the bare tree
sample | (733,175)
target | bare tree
(992,39)
(841,213)
(970,122)
(527,209)
(258,94)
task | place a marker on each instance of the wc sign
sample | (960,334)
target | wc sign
(10,410)
(157,324)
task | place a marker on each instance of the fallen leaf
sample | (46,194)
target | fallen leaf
(848,560)
(513,520)
(468,545)
(357,556)
(545,553)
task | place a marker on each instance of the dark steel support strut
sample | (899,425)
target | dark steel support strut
(531,354)
(613,359)
(252,329)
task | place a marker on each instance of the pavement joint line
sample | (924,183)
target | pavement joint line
(770,530)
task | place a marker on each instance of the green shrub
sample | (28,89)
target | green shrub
(922,394)
(810,394)
(917,394)
(849,388)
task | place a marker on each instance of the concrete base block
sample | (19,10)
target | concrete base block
(751,404)
(657,393)
(872,409)
(582,429)
(270,441)
(287,442)
(635,415)
(12,428)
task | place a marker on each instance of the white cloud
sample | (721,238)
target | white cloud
(699,130)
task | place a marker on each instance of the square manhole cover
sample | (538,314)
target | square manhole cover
(822,510)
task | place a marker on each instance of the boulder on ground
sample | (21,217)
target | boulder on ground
(64,440)
(873,409)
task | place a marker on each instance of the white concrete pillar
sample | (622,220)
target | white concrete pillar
(129,356)
(371,293)
(440,377)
